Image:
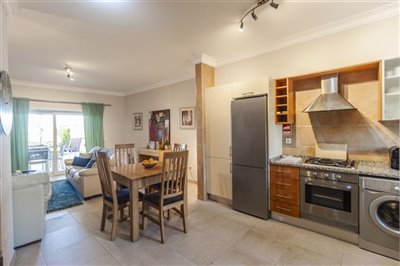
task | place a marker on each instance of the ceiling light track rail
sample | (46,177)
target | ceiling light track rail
(253,13)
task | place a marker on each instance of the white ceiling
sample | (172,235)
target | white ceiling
(130,46)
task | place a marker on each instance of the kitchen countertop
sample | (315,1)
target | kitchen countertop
(370,168)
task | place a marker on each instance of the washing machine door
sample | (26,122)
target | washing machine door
(384,212)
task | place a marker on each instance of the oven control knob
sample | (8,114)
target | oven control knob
(338,176)
(326,175)
(314,173)
(396,188)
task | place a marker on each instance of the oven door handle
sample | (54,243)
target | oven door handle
(315,182)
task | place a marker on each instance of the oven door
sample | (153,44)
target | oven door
(330,201)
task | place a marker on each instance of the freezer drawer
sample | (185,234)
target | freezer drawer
(250,193)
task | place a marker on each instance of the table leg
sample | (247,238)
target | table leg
(134,210)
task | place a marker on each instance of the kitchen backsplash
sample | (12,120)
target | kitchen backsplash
(366,137)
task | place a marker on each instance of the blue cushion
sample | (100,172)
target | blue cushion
(90,163)
(123,196)
(79,161)
(155,198)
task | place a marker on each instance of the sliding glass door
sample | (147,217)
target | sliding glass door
(54,137)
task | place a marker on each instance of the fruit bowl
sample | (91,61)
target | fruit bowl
(149,164)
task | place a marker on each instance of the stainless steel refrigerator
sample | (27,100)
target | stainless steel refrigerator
(249,155)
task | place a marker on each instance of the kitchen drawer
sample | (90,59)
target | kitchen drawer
(285,191)
(285,208)
(281,173)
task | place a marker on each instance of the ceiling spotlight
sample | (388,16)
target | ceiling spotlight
(70,74)
(241,26)
(274,5)
(253,14)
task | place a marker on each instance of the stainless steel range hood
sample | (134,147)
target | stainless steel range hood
(330,99)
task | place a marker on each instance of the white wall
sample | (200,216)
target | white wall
(171,97)
(370,42)
(113,116)
(7,238)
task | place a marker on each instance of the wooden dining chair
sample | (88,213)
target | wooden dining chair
(157,187)
(172,193)
(180,147)
(124,154)
(114,200)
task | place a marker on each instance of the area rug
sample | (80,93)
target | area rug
(63,196)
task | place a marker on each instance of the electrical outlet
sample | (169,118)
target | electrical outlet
(288,140)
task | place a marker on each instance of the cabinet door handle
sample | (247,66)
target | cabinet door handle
(230,152)
(283,171)
(283,184)
(230,168)
(284,209)
(281,196)
(248,93)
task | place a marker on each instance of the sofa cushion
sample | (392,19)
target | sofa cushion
(79,161)
(90,163)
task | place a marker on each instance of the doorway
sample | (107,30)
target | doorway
(54,136)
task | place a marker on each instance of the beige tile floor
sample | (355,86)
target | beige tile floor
(216,235)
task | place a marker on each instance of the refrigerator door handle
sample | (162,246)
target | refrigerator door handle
(230,152)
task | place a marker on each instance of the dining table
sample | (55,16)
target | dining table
(136,176)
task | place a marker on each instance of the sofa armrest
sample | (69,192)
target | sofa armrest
(68,162)
(88,171)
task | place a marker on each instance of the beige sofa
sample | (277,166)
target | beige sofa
(85,180)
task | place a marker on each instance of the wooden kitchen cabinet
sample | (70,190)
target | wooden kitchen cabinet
(250,88)
(285,190)
(284,101)
(218,121)
(219,177)
(218,141)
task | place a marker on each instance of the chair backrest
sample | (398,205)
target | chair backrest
(174,172)
(106,180)
(124,154)
(180,147)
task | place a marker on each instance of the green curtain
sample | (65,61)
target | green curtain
(19,134)
(93,124)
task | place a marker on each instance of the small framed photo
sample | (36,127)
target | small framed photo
(137,121)
(187,118)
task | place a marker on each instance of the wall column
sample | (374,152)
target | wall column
(204,79)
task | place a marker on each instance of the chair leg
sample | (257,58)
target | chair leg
(114,223)
(183,214)
(121,214)
(161,217)
(103,218)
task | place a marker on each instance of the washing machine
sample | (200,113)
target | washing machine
(379,216)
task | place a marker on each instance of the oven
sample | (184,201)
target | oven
(330,197)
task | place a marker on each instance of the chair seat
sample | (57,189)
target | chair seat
(154,198)
(123,196)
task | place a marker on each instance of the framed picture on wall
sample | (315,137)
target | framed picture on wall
(159,126)
(137,121)
(187,118)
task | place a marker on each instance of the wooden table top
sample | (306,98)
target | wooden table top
(136,171)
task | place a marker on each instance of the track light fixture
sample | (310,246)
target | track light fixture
(253,14)
(70,74)
(274,5)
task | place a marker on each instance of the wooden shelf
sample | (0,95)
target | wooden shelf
(284,103)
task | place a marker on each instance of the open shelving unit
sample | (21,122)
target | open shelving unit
(391,89)
(284,101)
